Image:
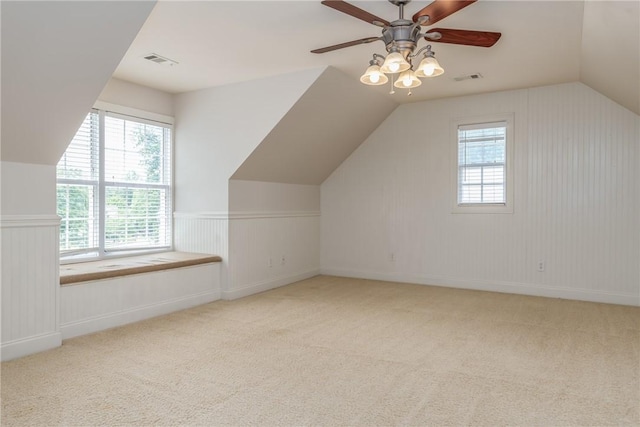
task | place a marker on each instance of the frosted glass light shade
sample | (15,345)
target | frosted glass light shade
(373,76)
(407,80)
(394,63)
(429,67)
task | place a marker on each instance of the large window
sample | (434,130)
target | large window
(483,153)
(114,187)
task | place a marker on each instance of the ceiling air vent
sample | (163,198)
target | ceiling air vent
(154,57)
(473,76)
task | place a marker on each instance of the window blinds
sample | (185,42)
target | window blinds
(481,163)
(137,184)
(114,186)
(77,190)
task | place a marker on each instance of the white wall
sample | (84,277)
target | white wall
(139,97)
(272,197)
(56,58)
(386,211)
(266,223)
(27,189)
(28,259)
(274,235)
(216,130)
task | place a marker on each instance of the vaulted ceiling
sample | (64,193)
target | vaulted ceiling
(57,56)
(543,42)
(317,133)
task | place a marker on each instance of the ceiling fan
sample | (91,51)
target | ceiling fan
(401,39)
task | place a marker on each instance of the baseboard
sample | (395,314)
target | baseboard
(112,320)
(267,285)
(497,286)
(23,347)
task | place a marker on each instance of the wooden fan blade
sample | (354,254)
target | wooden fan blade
(354,11)
(465,37)
(346,44)
(440,9)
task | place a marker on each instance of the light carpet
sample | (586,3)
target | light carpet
(333,351)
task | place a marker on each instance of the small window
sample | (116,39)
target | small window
(483,165)
(114,187)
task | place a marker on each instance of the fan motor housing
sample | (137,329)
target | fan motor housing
(402,35)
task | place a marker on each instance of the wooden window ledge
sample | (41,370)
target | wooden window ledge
(116,267)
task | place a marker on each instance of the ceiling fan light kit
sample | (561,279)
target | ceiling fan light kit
(429,66)
(373,76)
(407,80)
(394,63)
(401,39)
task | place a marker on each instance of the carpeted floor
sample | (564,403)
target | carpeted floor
(334,351)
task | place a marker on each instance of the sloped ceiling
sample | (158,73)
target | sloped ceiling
(610,58)
(321,130)
(218,128)
(56,58)
(540,44)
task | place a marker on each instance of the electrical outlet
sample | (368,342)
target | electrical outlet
(283,261)
(540,266)
(270,262)
(392,257)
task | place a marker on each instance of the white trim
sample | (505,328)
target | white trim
(491,286)
(7,221)
(245,215)
(133,112)
(25,346)
(269,214)
(267,285)
(131,315)
(201,215)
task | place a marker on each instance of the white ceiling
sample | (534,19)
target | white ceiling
(610,61)
(302,148)
(221,42)
(56,58)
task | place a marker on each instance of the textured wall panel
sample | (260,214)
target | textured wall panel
(252,245)
(203,233)
(30,276)
(387,211)
(266,250)
(206,233)
(96,305)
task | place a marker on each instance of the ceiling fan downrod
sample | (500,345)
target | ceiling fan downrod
(401,38)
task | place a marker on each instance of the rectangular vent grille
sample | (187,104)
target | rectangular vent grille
(473,76)
(154,57)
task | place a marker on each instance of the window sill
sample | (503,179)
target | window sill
(106,269)
(483,209)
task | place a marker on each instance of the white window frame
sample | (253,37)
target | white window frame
(127,113)
(487,208)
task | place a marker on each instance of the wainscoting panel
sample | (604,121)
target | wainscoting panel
(267,250)
(92,306)
(204,232)
(252,246)
(30,277)
(387,210)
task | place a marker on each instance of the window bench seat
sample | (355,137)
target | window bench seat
(99,295)
(106,269)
